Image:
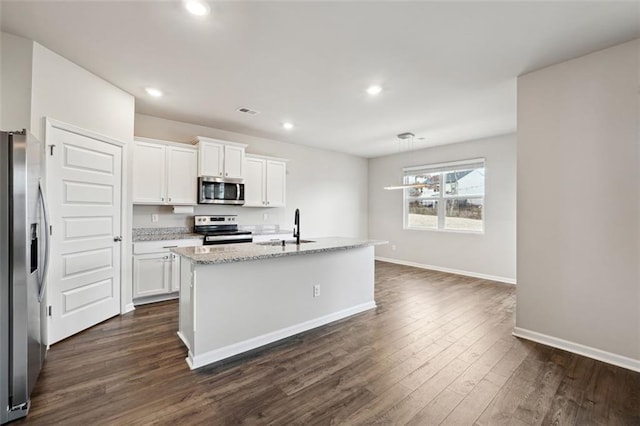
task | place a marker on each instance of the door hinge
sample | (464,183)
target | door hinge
(49,310)
(51,149)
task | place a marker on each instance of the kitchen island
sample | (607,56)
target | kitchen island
(238,297)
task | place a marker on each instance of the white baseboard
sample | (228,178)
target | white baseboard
(156,298)
(577,348)
(184,340)
(129,307)
(255,342)
(449,270)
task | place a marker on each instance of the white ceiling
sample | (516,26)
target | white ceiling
(448,68)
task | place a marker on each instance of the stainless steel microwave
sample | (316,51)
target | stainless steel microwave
(219,190)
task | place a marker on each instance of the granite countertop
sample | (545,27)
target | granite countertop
(161,234)
(229,253)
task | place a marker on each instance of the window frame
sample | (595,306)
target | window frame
(442,198)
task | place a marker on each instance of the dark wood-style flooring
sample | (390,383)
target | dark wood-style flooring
(437,350)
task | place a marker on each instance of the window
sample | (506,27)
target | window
(445,196)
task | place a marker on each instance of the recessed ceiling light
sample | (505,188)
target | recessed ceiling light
(197,7)
(153,92)
(287,125)
(374,90)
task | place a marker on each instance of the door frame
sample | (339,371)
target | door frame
(126,290)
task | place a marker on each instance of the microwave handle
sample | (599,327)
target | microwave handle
(237,191)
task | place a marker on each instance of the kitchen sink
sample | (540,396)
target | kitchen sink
(279,242)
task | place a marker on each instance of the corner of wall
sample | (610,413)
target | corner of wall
(16,70)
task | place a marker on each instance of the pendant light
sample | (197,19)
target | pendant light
(405,142)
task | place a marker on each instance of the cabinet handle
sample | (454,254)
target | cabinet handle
(220,173)
(162,199)
(169,198)
(226,174)
(166,257)
(117,239)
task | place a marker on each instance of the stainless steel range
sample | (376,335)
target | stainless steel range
(220,230)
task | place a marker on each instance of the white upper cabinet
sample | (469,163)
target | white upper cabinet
(211,159)
(219,158)
(164,173)
(254,186)
(233,161)
(276,183)
(265,181)
(182,175)
(149,177)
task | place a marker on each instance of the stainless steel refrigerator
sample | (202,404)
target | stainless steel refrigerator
(24,258)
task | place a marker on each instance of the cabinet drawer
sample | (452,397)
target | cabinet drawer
(145,247)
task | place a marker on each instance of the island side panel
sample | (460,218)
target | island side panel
(185,316)
(244,305)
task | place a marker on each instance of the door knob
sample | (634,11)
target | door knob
(117,239)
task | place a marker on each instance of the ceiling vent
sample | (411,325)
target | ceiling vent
(247,111)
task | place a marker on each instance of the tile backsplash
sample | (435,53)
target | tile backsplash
(142,216)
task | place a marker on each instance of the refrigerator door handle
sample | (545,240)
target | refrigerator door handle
(45,268)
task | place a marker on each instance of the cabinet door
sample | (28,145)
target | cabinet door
(254,182)
(150,274)
(174,265)
(148,173)
(276,183)
(233,159)
(210,161)
(182,179)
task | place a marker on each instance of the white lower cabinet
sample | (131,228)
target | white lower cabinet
(156,271)
(174,265)
(152,274)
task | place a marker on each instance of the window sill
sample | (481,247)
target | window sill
(448,231)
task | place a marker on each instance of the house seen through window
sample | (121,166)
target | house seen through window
(445,196)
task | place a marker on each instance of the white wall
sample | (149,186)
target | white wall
(16,55)
(64,91)
(579,204)
(329,188)
(490,254)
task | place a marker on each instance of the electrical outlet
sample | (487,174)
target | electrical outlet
(154,218)
(316,290)
(265,216)
(393,247)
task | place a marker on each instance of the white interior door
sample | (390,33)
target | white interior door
(84,184)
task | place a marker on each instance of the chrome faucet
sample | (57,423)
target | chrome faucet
(296,229)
